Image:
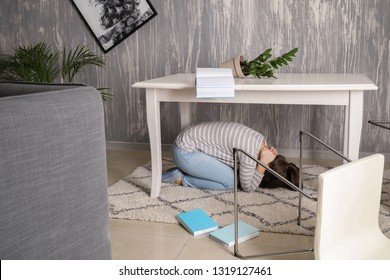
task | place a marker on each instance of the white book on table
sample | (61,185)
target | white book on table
(214,83)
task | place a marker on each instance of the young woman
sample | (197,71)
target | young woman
(204,156)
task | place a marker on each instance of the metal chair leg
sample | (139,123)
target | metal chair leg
(299,189)
(381,124)
(302,133)
(236,246)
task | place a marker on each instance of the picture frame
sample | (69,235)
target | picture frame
(112,21)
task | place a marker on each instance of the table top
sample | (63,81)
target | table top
(284,82)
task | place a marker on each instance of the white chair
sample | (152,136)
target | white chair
(348,211)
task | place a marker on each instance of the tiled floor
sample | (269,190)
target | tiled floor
(148,241)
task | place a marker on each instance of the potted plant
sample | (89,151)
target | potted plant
(261,66)
(39,64)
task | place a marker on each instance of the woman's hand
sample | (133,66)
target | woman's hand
(274,151)
(266,155)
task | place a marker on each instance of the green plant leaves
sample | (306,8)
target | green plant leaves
(263,65)
(105,93)
(38,63)
(264,56)
(74,60)
(34,63)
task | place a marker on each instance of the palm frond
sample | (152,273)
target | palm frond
(106,94)
(37,63)
(4,60)
(74,60)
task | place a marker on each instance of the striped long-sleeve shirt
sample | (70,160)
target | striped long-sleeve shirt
(218,139)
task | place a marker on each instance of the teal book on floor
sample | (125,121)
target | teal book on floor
(197,222)
(225,235)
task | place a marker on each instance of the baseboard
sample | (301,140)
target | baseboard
(306,154)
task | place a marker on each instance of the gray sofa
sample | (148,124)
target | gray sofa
(53,176)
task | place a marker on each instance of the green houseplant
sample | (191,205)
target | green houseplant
(38,63)
(261,66)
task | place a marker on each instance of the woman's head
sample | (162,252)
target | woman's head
(286,169)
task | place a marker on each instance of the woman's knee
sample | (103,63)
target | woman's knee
(227,178)
(229,185)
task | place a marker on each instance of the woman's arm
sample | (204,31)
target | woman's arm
(252,173)
(250,177)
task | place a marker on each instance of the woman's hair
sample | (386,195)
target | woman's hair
(286,169)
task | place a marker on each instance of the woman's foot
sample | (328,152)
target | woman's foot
(172,176)
(179,182)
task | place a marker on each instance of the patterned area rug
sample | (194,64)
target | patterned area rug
(271,210)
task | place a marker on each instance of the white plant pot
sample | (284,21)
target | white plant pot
(234,64)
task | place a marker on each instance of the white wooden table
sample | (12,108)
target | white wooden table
(305,89)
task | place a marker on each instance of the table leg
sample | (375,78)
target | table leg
(185,114)
(353,125)
(153,118)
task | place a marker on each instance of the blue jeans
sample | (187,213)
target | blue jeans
(203,171)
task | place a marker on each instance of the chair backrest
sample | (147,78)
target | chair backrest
(348,207)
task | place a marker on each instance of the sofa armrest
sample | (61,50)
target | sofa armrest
(53,176)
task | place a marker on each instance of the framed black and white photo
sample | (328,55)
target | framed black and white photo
(112,21)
